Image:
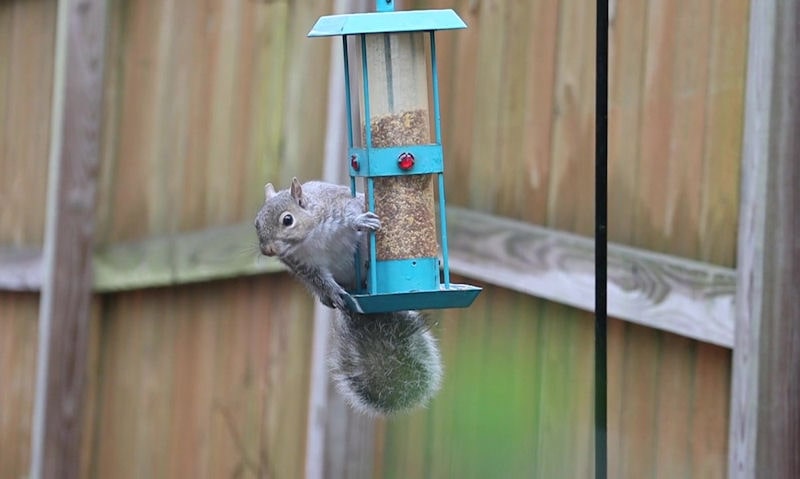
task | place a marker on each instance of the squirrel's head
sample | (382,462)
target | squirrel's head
(283,220)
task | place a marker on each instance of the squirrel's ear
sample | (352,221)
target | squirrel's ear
(269,191)
(297,193)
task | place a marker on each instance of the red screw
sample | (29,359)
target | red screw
(405,161)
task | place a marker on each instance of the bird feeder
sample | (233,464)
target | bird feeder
(389,68)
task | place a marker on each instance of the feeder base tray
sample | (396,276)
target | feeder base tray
(456,296)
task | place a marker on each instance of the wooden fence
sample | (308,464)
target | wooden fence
(200,357)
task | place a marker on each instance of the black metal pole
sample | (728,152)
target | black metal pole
(601,241)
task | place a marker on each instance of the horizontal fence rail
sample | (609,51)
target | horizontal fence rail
(688,298)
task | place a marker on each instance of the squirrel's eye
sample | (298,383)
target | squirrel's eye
(287,219)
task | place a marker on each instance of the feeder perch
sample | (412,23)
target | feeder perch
(389,67)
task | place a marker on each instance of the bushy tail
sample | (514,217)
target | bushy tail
(385,363)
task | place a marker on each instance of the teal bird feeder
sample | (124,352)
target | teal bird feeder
(395,146)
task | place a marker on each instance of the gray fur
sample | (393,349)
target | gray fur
(319,247)
(385,363)
(381,363)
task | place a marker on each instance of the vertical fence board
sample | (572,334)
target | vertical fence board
(208,380)
(671,63)
(306,73)
(616,398)
(18,337)
(199,118)
(571,177)
(225,59)
(18,333)
(207,102)
(626,27)
(270,57)
(458,77)
(27,42)
(64,313)
(710,389)
(637,426)
(765,418)
(534,142)
(673,412)
(485,176)
(723,127)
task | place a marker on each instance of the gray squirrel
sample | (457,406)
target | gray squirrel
(381,363)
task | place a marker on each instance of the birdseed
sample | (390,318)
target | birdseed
(405,204)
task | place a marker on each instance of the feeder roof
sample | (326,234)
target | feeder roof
(387,22)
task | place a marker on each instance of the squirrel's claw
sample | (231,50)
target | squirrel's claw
(368,221)
(334,300)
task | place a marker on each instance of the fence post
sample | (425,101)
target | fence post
(67,284)
(765,402)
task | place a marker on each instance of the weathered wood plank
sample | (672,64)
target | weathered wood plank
(306,72)
(183,258)
(765,416)
(627,23)
(673,407)
(535,141)
(458,77)
(20,269)
(685,297)
(516,398)
(484,177)
(270,58)
(213,254)
(18,331)
(636,423)
(64,312)
(571,188)
(710,392)
(27,44)
(723,130)
(206,380)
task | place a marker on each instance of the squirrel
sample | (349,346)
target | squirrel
(381,363)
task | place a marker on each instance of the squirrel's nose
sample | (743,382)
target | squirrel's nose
(268,249)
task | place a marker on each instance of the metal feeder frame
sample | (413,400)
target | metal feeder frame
(411,283)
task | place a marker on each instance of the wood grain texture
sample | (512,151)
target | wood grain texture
(204,106)
(765,418)
(18,339)
(200,104)
(207,380)
(672,127)
(18,336)
(627,27)
(185,257)
(27,43)
(484,180)
(517,130)
(685,297)
(20,269)
(655,290)
(516,399)
(572,150)
(724,126)
(216,253)
(456,66)
(64,312)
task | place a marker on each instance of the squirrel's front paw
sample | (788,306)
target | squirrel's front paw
(335,302)
(368,221)
(334,298)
